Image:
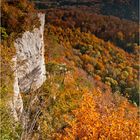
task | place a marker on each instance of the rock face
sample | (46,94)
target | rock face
(29,63)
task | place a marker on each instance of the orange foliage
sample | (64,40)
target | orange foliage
(100,121)
(97,57)
(16,12)
(105,27)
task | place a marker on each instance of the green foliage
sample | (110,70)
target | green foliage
(55,100)
(4,35)
(83,49)
(56,68)
(133,94)
(10,130)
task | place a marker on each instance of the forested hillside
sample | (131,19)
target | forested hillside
(109,28)
(92,66)
(127,9)
(100,59)
(91,91)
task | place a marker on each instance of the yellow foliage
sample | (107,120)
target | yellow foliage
(92,123)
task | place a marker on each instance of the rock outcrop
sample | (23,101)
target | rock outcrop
(29,68)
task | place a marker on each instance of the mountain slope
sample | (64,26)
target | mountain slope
(121,8)
(81,93)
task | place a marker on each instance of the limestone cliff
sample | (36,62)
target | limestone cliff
(29,68)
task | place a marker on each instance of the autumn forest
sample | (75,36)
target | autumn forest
(92,67)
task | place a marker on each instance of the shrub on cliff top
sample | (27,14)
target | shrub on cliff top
(17,17)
